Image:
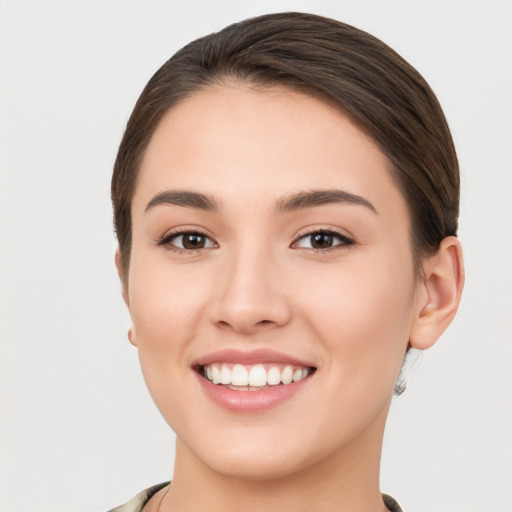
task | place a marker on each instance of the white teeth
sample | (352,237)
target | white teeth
(253,376)
(215,375)
(297,375)
(239,376)
(287,375)
(257,376)
(225,375)
(273,376)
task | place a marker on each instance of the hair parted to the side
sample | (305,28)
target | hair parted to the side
(347,67)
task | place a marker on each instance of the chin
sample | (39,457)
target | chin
(259,454)
(255,467)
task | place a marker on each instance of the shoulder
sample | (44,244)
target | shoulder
(136,504)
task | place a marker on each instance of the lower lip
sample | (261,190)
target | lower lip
(250,401)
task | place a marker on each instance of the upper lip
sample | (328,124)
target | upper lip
(249,357)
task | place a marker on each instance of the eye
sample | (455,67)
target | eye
(322,240)
(187,241)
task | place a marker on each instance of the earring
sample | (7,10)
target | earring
(400,387)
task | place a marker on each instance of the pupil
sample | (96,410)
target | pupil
(193,241)
(322,240)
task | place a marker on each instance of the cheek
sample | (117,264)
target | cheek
(363,316)
(162,295)
(166,306)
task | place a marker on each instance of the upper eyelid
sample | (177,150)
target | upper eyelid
(345,239)
(170,235)
(304,232)
(322,229)
(187,230)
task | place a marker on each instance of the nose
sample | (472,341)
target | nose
(252,296)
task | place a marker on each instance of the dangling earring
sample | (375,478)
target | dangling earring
(400,387)
(409,365)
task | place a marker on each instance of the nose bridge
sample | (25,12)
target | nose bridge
(251,296)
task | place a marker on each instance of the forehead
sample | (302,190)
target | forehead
(240,142)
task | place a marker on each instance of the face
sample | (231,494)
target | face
(271,284)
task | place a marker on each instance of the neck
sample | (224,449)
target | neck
(347,480)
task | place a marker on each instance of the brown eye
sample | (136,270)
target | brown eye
(187,241)
(323,240)
(193,241)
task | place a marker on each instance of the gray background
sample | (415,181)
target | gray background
(78,430)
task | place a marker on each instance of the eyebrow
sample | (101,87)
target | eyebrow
(185,198)
(313,198)
(298,201)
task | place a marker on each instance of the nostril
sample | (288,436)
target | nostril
(247,327)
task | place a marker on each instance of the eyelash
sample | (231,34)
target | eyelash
(344,240)
(166,240)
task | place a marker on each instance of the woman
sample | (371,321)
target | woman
(285,201)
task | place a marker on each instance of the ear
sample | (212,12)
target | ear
(439,294)
(122,278)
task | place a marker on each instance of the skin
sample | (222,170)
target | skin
(350,310)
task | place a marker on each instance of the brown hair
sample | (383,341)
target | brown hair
(383,94)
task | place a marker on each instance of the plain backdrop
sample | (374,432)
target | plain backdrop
(78,430)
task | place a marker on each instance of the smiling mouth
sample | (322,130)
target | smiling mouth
(257,377)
